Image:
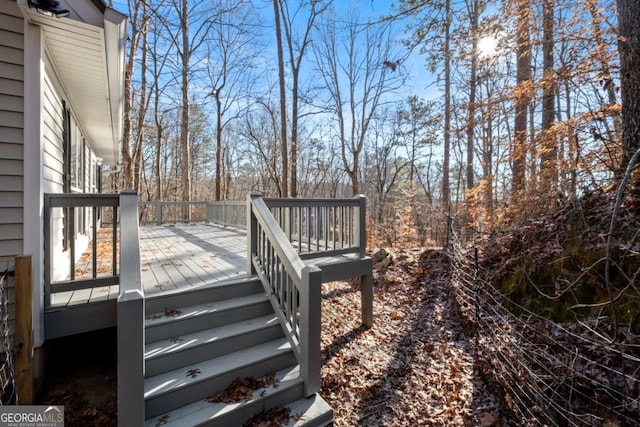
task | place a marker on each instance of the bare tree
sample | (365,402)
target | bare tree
(359,68)
(187,44)
(231,51)
(283,103)
(297,44)
(473,12)
(138,18)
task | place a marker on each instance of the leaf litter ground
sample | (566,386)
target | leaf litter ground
(415,366)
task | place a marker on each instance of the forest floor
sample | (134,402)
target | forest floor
(415,366)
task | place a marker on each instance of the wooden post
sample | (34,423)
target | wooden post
(252,233)
(22,339)
(130,315)
(310,321)
(158,212)
(131,358)
(361,227)
(366,299)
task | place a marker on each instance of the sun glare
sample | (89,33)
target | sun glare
(487,47)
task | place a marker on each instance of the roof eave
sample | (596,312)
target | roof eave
(105,136)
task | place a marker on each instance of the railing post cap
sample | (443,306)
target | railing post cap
(255,194)
(129,191)
(359,196)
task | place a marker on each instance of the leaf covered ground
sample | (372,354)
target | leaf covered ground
(415,366)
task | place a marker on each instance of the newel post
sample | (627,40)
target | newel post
(130,317)
(360,225)
(252,232)
(310,320)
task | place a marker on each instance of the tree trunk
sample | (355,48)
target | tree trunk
(283,104)
(218,195)
(629,48)
(549,155)
(471,120)
(446,195)
(127,167)
(142,108)
(523,90)
(185,149)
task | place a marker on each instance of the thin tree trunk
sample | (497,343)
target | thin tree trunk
(523,76)
(471,120)
(446,194)
(549,155)
(218,192)
(142,108)
(127,167)
(283,104)
(184,123)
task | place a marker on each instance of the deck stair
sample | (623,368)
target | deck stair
(199,341)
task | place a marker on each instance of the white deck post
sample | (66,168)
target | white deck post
(130,317)
(310,320)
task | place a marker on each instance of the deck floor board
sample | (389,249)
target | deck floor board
(174,257)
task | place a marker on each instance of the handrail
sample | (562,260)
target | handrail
(292,287)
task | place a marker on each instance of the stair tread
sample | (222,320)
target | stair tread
(172,314)
(176,344)
(203,411)
(182,377)
(205,285)
(310,411)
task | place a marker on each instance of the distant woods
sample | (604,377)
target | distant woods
(476,111)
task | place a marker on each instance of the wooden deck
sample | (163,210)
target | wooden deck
(174,257)
(180,256)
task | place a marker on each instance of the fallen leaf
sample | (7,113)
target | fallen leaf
(193,373)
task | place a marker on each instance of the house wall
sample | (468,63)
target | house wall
(11,131)
(83,161)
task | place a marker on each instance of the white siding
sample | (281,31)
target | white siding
(11,129)
(53,129)
(53,166)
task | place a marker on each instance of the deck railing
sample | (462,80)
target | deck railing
(228,213)
(63,214)
(292,287)
(322,227)
(160,212)
(123,210)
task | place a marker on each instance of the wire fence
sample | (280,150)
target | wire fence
(8,395)
(548,373)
